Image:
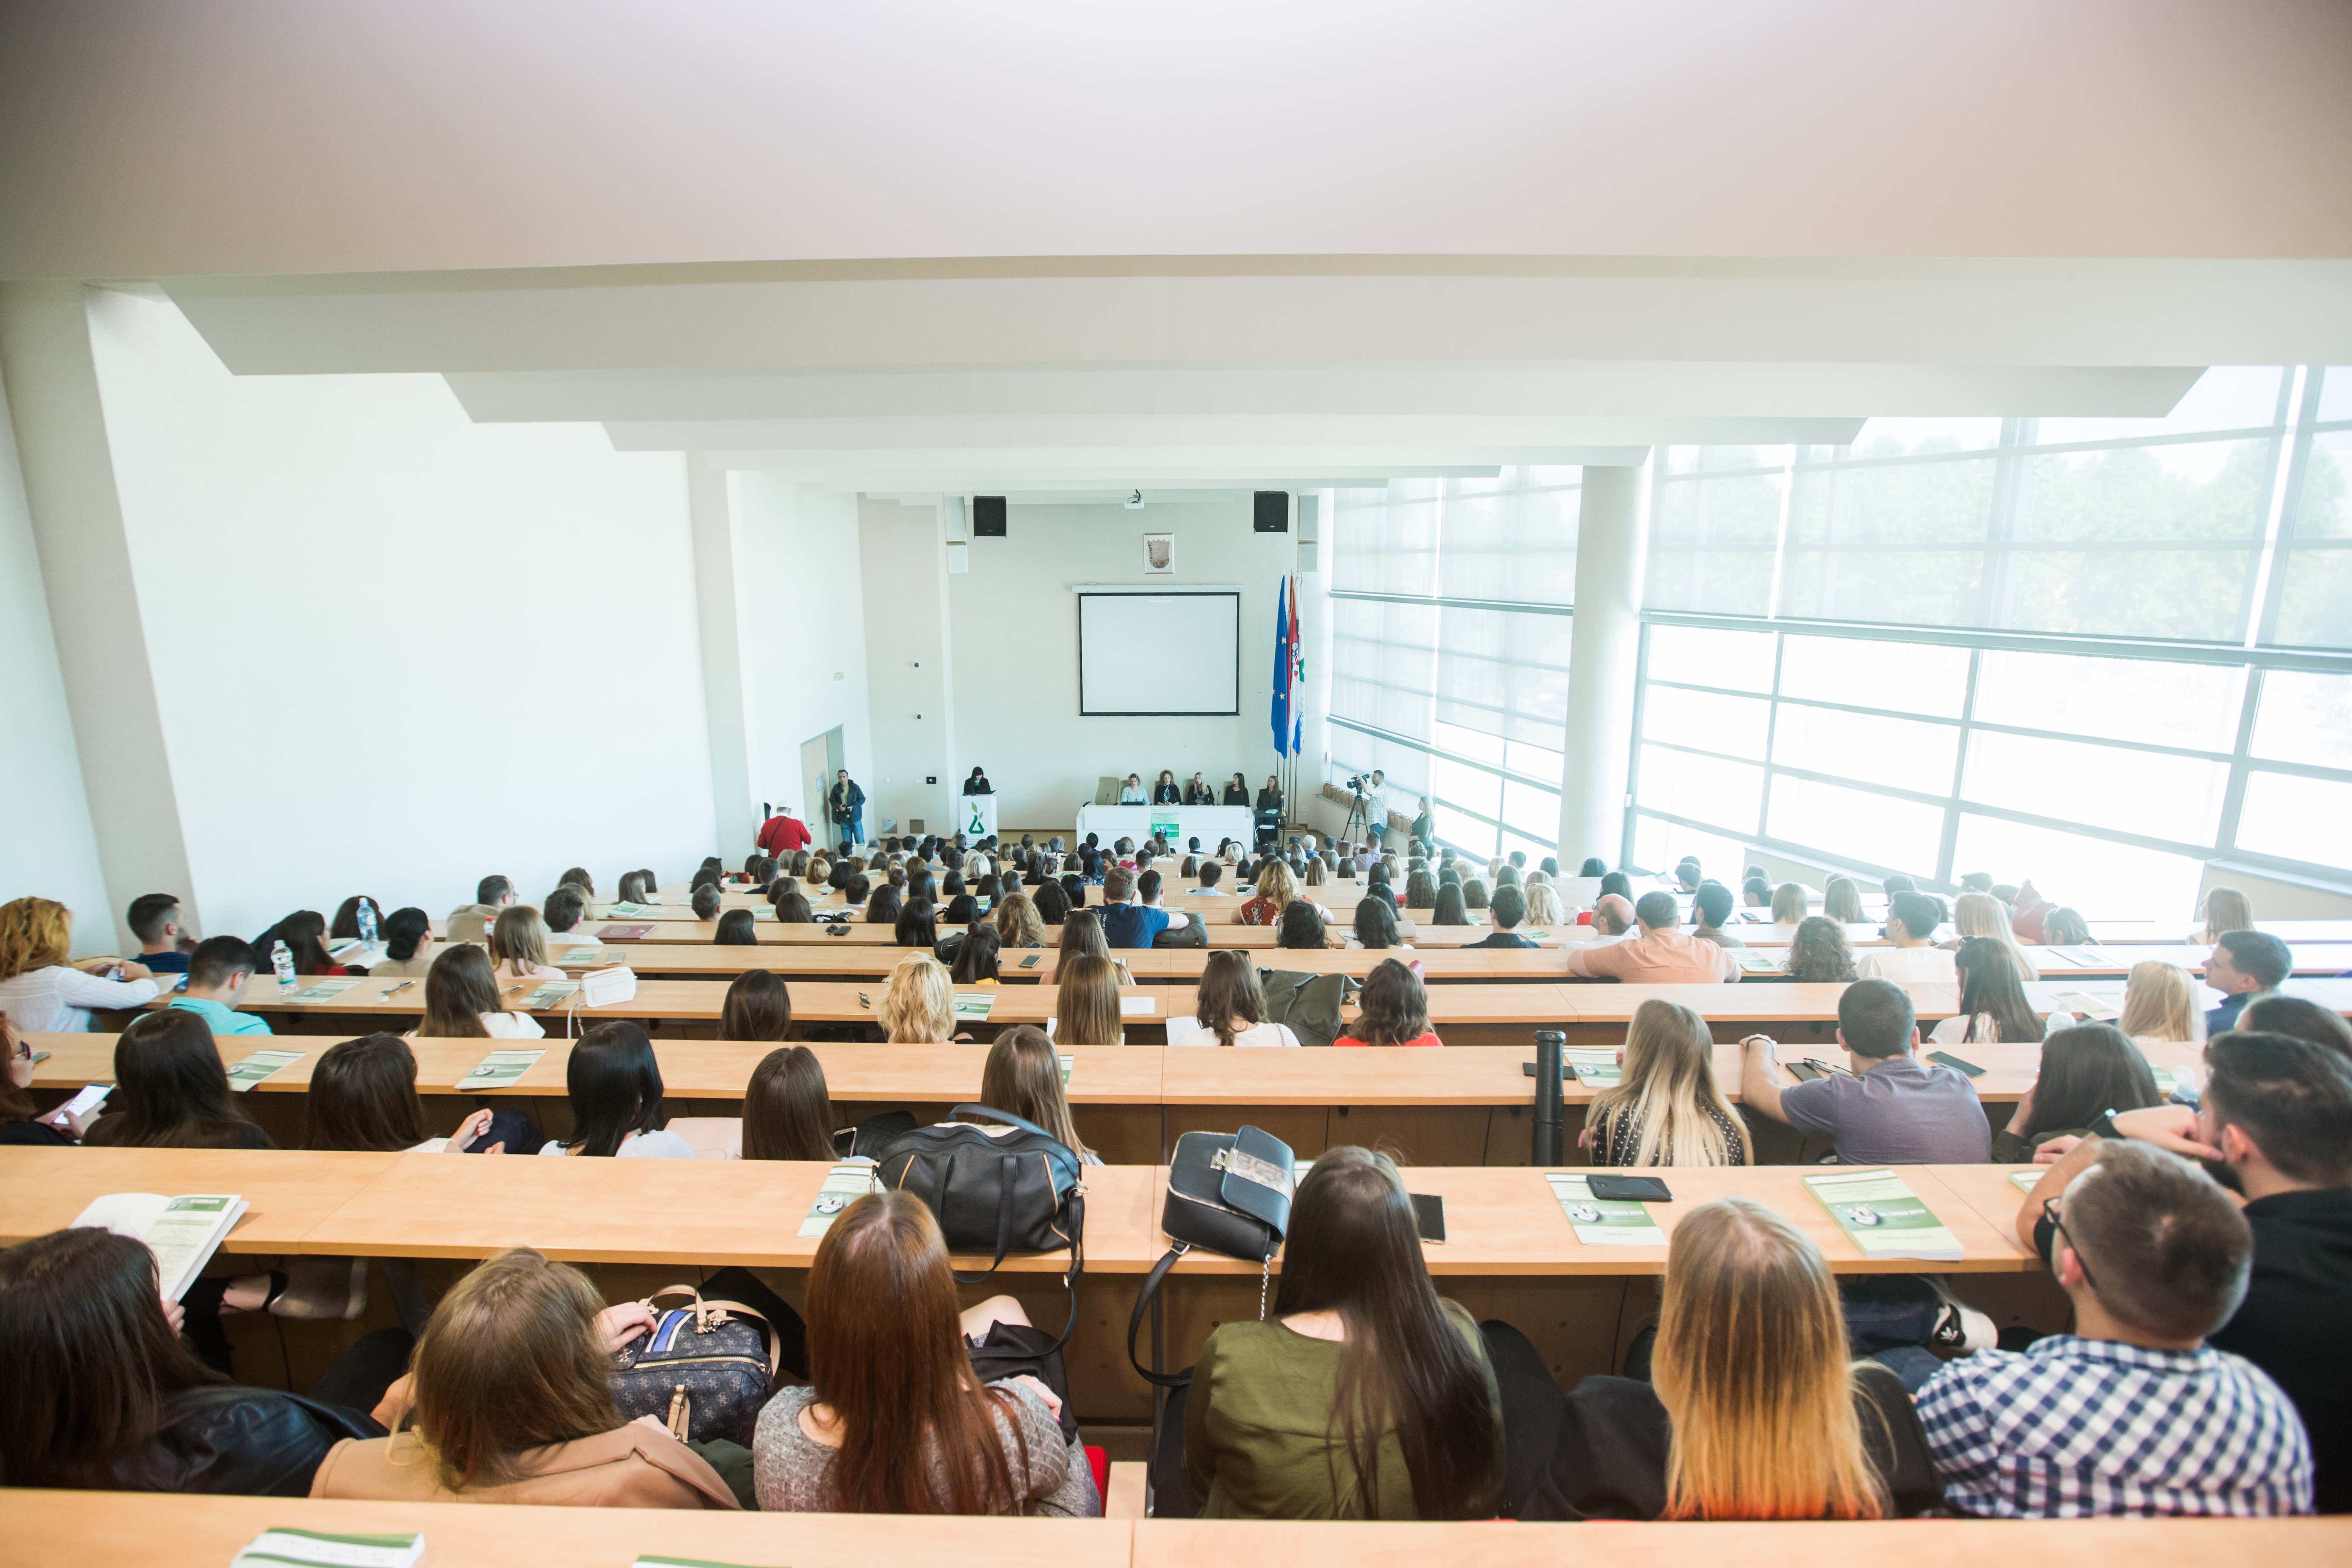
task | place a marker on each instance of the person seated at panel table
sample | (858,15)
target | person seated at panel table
(2154,1258)
(103,1393)
(1508,908)
(2276,1116)
(1393,1009)
(896,1418)
(1270,797)
(1710,909)
(42,991)
(470,923)
(1199,792)
(508,1402)
(1236,792)
(2244,964)
(1667,1109)
(1130,792)
(1911,955)
(1747,1407)
(1366,1395)
(1661,954)
(218,972)
(1165,791)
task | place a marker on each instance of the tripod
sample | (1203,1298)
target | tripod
(1351,831)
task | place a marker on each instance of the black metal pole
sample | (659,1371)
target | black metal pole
(1551,1130)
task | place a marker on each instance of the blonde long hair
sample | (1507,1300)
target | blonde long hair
(2227,910)
(1544,905)
(519,937)
(2160,1003)
(1981,914)
(918,1004)
(1663,1099)
(1086,1003)
(35,933)
(1751,1365)
(1275,886)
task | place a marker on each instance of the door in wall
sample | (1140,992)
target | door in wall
(820,755)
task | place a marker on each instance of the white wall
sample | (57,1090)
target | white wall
(902,556)
(1016,641)
(395,650)
(48,848)
(802,622)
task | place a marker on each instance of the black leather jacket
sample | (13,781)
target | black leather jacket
(261,1442)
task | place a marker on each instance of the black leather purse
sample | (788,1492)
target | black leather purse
(1229,1193)
(1017,1191)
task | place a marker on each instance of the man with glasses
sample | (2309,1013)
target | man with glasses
(2132,1412)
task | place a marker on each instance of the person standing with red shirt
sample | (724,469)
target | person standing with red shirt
(781,834)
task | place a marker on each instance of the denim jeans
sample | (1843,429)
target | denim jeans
(1889,1318)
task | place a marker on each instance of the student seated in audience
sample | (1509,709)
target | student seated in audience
(154,919)
(1449,909)
(41,990)
(917,1005)
(1474,893)
(1992,1001)
(219,972)
(1082,933)
(561,913)
(1053,903)
(637,888)
(1393,1009)
(793,909)
(1022,1076)
(518,945)
(508,1402)
(2154,1258)
(170,1090)
(1018,924)
(704,900)
(2226,910)
(1128,918)
(2087,1072)
(918,925)
(1818,952)
(787,1111)
(882,905)
(1420,889)
(1301,929)
(1366,1395)
(1982,915)
(471,922)
(1375,925)
(1791,905)
(1841,900)
(614,1084)
(1710,909)
(100,1391)
(364,1097)
(1510,908)
(1911,922)
(2067,928)
(1666,1109)
(1211,876)
(1751,1407)
(1892,1108)
(2276,1116)
(1660,955)
(1085,1002)
(2243,965)
(304,933)
(737,927)
(1545,907)
(462,1001)
(758,1007)
(345,925)
(407,946)
(975,957)
(1612,919)
(1755,893)
(1274,889)
(2160,1006)
(2299,1017)
(1229,1007)
(894,1418)
(22,1122)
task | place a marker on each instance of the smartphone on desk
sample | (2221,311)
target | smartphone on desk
(1429,1215)
(1030,961)
(1949,1060)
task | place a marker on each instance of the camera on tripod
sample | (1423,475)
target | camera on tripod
(1356,782)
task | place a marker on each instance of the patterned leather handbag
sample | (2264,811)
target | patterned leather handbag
(705,1370)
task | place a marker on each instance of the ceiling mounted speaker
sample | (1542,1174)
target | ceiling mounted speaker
(988,517)
(1271,512)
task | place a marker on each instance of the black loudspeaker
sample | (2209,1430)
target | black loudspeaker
(988,517)
(1271,514)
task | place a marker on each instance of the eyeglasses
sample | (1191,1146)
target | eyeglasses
(2050,1213)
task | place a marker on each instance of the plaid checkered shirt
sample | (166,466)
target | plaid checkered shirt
(2075,1426)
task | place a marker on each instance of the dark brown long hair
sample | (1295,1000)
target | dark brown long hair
(459,987)
(1229,989)
(170,1090)
(1024,1075)
(90,1357)
(509,1362)
(1393,1006)
(787,1113)
(887,1354)
(301,932)
(758,1007)
(363,1097)
(2087,1070)
(1990,988)
(1354,1249)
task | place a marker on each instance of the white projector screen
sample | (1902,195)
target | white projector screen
(1160,653)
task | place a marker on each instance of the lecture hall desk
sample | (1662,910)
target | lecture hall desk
(859,933)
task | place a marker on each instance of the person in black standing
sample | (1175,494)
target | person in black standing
(845,805)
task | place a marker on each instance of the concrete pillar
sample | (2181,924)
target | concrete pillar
(93,603)
(1612,547)
(717,556)
(1315,623)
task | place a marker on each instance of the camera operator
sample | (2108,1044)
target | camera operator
(1374,794)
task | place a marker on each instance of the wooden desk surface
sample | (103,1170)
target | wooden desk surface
(289,1190)
(2314,959)
(860,933)
(1501,1221)
(66,1527)
(1915,1543)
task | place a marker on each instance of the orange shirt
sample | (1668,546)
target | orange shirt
(1656,958)
(1428,1038)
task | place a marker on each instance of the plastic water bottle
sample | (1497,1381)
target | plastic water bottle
(281,959)
(367,922)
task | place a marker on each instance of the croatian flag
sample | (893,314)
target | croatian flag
(1285,658)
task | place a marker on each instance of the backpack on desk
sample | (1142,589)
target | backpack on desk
(1309,1004)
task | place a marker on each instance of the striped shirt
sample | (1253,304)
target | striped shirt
(2075,1426)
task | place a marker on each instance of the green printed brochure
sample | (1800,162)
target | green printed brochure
(259,1066)
(322,990)
(1604,1222)
(1596,1067)
(315,1548)
(843,1185)
(1069,1062)
(551,992)
(974,1004)
(500,1069)
(1883,1216)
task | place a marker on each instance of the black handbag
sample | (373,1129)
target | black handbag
(1017,1191)
(1229,1193)
(705,1371)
